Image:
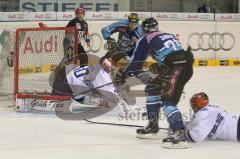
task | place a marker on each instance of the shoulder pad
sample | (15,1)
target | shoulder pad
(201,114)
(123,21)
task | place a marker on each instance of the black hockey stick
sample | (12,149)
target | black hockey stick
(116,124)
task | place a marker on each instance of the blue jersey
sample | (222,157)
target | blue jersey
(125,35)
(157,44)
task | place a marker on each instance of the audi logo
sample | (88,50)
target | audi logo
(96,43)
(211,41)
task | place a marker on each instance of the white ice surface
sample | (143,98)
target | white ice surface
(39,136)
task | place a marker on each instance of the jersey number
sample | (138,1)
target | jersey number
(79,72)
(172,43)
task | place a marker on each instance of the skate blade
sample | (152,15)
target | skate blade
(151,136)
(180,145)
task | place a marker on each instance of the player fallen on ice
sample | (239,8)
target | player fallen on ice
(174,69)
(211,122)
(86,83)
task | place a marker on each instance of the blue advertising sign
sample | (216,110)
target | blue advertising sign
(68,6)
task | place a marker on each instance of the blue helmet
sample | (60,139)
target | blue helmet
(149,24)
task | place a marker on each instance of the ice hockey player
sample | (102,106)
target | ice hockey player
(174,69)
(129,32)
(210,121)
(82,27)
(83,83)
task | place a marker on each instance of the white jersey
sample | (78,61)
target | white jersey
(214,123)
(83,79)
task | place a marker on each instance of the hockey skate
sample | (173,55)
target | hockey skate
(149,132)
(177,140)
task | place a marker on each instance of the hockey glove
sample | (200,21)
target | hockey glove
(159,69)
(111,43)
(120,78)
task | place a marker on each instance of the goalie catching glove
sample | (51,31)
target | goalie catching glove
(159,69)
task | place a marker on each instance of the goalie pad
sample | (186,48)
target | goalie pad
(94,101)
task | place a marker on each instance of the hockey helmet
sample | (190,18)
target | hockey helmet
(133,18)
(199,100)
(149,24)
(80,10)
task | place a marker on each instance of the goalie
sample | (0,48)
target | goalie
(88,85)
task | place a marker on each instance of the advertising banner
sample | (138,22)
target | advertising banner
(39,16)
(70,5)
(65,15)
(102,15)
(228,17)
(183,16)
(208,39)
(109,15)
(16,16)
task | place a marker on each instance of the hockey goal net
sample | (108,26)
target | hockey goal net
(38,53)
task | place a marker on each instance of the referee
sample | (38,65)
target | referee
(82,27)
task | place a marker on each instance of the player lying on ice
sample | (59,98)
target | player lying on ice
(88,84)
(174,69)
(211,121)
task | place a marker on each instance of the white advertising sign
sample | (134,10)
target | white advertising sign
(228,17)
(198,16)
(16,16)
(102,15)
(208,39)
(183,16)
(167,16)
(39,16)
(65,15)
(161,16)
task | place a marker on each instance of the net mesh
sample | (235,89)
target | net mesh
(39,53)
(29,58)
(7,47)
